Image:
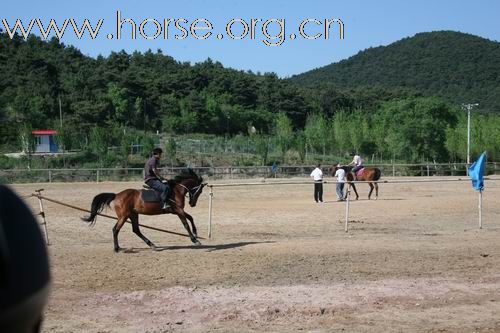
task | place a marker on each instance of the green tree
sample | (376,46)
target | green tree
(341,126)
(126,141)
(123,110)
(171,150)
(148,144)
(99,142)
(414,129)
(300,143)
(283,133)
(261,147)
(316,133)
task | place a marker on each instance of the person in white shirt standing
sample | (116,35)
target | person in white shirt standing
(340,178)
(317,176)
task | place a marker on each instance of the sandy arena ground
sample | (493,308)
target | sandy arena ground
(413,261)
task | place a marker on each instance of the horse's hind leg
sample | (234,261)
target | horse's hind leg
(135,228)
(376,191)
(371,190)
(193,227)
(116,230)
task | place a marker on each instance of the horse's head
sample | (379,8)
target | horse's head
(195,192)
(193,184)
(333,169)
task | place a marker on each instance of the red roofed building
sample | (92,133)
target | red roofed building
(44,141)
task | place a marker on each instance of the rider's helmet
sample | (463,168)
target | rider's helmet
(353,153)
(24,267)
(157,151)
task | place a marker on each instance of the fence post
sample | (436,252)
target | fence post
(210,198)
(428,170)
(42,214)
(50,176)
(393,170)
(346,227)
(98,175)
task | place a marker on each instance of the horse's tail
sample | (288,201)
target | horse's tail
(377,174)
(97,206)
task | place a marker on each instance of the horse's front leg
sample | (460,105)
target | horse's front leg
(355,191)
(193,227)
(182,217)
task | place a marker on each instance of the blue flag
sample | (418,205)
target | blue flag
(476,172)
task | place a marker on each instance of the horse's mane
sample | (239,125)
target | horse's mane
(347,168)
(185,175)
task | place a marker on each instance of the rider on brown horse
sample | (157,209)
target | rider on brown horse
(357,162)
(153,179)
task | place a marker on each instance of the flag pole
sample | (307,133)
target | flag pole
(480,209)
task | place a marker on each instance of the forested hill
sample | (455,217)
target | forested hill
(459,67)
(149,91)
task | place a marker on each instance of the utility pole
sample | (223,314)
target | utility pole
(61,123)
(60,111)
(468,107)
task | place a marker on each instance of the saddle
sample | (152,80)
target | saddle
(359,173)
(150,195)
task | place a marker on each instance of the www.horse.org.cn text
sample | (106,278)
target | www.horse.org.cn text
(271,31)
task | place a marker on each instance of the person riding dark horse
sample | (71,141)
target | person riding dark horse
(153,179)
(130,203)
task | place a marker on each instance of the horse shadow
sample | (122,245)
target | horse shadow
(209,248)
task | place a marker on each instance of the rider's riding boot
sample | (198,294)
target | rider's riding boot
(166,203)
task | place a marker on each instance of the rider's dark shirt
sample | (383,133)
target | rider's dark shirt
(151,165)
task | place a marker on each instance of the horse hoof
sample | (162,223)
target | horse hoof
(154,248)
(197,243)
(118,249)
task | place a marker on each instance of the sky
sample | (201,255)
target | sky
(366,23)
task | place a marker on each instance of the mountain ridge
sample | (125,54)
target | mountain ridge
(459,67)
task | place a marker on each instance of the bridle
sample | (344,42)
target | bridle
(192,194)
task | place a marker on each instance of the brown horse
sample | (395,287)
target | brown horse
(130,203)
(367,174)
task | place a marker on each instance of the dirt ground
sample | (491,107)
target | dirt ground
(413,261)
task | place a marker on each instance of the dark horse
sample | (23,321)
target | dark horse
(130,203)
(367,174)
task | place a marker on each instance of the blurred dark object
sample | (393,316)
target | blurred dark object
(24,267)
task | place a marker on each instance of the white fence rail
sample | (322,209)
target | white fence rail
(230,172)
